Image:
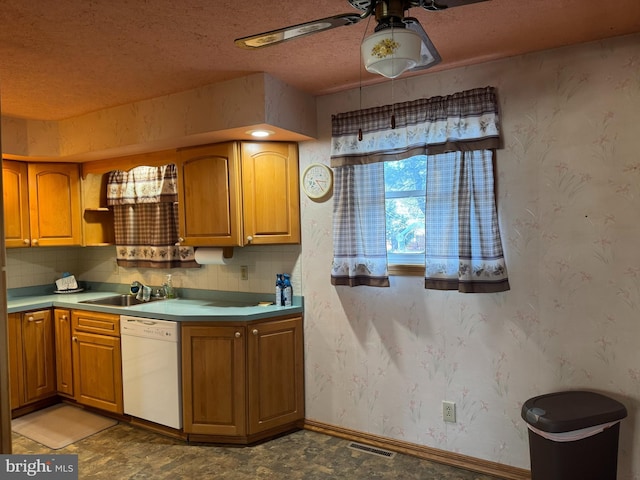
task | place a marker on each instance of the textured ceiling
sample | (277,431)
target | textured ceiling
(69,57)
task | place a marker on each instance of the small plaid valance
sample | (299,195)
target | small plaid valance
(143,185)
(144,201)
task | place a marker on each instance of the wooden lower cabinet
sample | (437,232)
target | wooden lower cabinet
(15,358)
(31,357)
(213,387)
(64,357)
(242,382)
(97,360)
(275,374)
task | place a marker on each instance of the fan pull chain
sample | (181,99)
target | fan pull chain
(393,106)
(360,70)
(360,129)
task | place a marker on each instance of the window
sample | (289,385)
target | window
(405,184)
(391,217)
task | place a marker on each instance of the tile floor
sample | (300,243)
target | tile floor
(128,452)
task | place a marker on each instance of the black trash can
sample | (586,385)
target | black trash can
(573,435)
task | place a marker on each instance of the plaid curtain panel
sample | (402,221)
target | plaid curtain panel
(146,218)
(463,250)
(360,255)
(459,134)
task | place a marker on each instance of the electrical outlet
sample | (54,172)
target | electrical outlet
(448,411)
(244,272)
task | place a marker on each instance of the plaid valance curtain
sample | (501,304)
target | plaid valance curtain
(146,218)
(459,134)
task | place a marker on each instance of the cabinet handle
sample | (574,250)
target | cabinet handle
(238,334)
(64,317)
(26,241)
(75,339)
(255,331)
(34,242)
(30,318)
(249,239)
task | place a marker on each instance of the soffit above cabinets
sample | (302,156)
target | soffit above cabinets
(211,114)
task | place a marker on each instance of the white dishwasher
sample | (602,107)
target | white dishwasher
(151,370)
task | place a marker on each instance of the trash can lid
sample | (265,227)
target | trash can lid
(571,410)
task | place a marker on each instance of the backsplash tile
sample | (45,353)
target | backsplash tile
(42,266)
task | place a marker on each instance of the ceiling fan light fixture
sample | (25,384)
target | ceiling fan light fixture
(392,51)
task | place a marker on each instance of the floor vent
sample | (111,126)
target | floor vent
(372,450)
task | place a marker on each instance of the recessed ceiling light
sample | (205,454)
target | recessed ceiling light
(260,133)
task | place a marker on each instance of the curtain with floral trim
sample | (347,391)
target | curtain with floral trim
(459,134)
(146,218)
(360,254)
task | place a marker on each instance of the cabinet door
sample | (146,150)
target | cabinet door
(97,371)
(275,374)
(210,203)
(64,358)
(54,204)
(38,355)
(15,189)
(213,387)
(271,194)
(15,359)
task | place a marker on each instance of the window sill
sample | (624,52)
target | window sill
(406,270)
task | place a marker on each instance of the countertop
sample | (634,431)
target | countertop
(196,306)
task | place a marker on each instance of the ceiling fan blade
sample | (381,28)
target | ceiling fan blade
(295,31)
(429,54)
(436,5)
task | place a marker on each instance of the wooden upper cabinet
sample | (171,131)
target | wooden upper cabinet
(54,204)
(239,193)
(270,192)
(15,188)
(209,195)
(98,227)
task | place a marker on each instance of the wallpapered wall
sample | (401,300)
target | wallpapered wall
(382,360)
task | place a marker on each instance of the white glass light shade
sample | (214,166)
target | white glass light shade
(391,52)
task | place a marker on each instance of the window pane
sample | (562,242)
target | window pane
(406,175)
(405,183)
(405,225)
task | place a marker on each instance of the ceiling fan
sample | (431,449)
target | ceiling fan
(399,43)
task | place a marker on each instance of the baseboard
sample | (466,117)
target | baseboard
(427,453)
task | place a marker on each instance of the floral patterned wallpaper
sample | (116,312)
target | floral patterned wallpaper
(568,179)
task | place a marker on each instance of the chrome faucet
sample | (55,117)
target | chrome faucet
(161,292)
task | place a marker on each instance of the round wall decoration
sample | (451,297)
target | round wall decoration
(317,180)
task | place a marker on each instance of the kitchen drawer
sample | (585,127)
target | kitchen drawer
(94,322)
